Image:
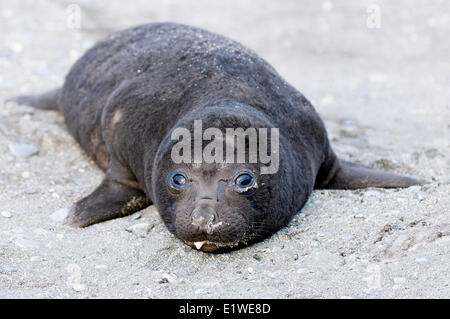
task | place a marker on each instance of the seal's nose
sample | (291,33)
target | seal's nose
(204,217)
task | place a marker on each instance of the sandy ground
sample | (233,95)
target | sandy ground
(382,92)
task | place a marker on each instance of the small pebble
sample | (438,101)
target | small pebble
(199,291)
(328,99)
(60,215)
(36,258)
(78,287)
(16,47)
(414,188)
(8,269)
(5,277)
(421,260)
(41,231)
(26,243)
(302,271)
(399,280)
(141,229)
(136,216)
(6,214)
(327,6)
(101,267)
(169,278)
(401,243)
(372,193)
(257,257)
(421,195)
(25,175)
(23,150)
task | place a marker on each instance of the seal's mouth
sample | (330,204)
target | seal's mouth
(211,246)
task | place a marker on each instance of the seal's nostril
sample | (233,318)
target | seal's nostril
(203,218)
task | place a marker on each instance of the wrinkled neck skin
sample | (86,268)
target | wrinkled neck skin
(283,193)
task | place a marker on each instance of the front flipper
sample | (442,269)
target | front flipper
(112,199)
(352,176)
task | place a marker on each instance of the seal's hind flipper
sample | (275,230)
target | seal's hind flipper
(45,101)
(353,176)
(110,200)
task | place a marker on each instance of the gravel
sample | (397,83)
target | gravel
(382,93)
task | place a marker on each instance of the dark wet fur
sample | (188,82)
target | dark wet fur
(124,96)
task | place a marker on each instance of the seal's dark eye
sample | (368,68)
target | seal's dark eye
(177,180)
(245,182)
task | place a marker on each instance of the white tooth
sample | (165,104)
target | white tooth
(199,244)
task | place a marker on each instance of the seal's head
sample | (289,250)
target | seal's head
(215,205)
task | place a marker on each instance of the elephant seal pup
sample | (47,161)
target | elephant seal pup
(131,99)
